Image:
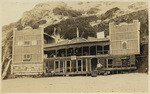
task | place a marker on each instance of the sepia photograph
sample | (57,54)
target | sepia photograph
(74,46)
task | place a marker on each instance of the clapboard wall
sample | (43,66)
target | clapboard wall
(27,51)
(124,38)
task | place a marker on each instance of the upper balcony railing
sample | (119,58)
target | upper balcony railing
(82,51)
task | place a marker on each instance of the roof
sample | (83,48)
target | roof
(76,41)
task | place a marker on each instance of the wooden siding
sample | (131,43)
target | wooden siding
(125,38)
(28,42)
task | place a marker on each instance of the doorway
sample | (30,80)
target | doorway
(68,66)
(93,63)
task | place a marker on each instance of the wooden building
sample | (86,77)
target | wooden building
(27,52)
(76,56)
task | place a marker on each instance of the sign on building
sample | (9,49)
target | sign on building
(100,34)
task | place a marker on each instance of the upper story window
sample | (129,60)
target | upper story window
(34,42)
(106,49)
(27,43)
(27,57)
(124,45)
(20,43)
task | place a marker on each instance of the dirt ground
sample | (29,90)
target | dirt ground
(133,82)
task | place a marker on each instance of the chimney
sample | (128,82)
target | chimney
(77,33)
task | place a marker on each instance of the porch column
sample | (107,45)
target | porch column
(63,66)
(81,51)
(107,62)
(70,65)
(77,65)
(54,66)
(66,52)
(90,64)
(86,65)
(81,65)
(89,50)
(59,65)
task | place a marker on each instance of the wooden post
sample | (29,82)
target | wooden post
(107,62)
(70,66)
(89,50)
(81,65)
(59,65)
(86,65)
(90,65)
(63,67)
(77,65)
(54,66)
(66,52)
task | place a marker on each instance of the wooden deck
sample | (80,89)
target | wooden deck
(88,72)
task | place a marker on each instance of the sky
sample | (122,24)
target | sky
(12,10)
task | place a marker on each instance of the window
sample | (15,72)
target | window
(19,38)
(20,43)
(57,66)
(34,42)
(26,43)
(106,49)
(27,57)
(124,45)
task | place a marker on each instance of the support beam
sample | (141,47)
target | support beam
(70,66)
(81,65)
(77,65)
(66,52)
(86,65)
(106,63)
(59,65)
(54,66)
(90,64)
(89,50)
(63,66)
(81,51)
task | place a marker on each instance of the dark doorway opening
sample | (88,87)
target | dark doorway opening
(93,63)
(84,65)
(68,66)
(79,65)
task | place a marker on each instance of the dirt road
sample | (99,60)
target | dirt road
(134,82)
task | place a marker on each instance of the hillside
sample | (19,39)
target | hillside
(89,17)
